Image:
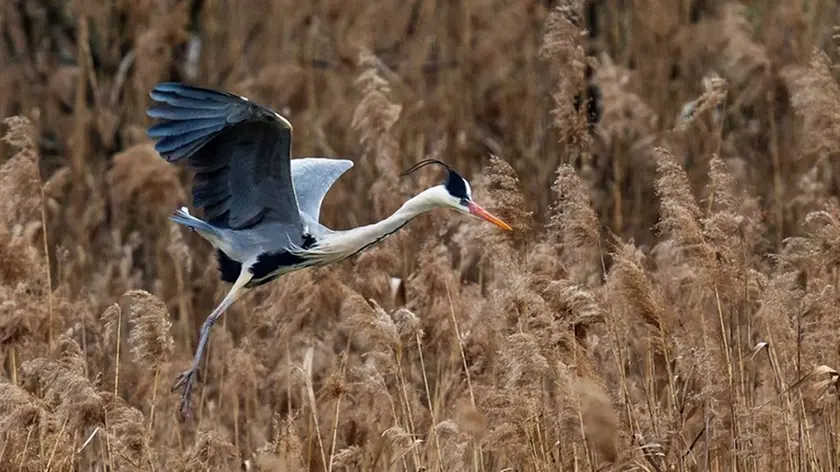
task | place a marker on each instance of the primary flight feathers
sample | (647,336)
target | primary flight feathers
(247,172)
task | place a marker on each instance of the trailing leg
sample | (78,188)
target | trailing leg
(186,379)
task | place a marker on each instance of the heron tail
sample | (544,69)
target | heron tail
(182,217)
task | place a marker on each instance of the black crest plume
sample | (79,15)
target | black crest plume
(454,183)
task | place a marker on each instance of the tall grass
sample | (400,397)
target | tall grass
(668,301)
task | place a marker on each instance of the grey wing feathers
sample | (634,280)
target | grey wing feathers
(191,116)
(238,150)
(313,177)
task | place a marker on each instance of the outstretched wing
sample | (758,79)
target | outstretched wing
(313,177)
(239,151)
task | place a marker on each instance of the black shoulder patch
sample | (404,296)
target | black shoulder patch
(455,185)
(308,241)
(269,262)
(228,267)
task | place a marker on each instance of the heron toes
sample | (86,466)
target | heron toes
(186,380)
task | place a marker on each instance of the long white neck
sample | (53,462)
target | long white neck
(341,244)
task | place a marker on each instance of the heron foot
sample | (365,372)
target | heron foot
(186,380)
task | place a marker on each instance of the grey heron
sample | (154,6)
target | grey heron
(262,208)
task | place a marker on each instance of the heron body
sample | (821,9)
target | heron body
(262,208)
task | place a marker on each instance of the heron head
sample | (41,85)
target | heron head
(455,193)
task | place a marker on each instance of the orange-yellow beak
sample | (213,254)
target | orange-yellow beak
(485,215)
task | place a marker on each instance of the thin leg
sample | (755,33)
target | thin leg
(186,379)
